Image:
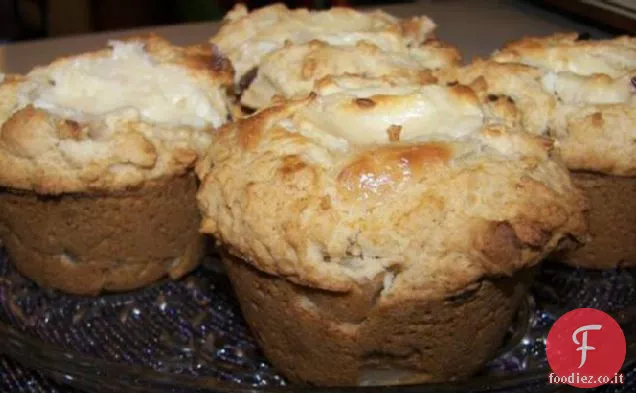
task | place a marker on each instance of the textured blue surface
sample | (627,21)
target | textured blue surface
(194,326)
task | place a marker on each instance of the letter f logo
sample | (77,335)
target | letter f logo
(568,345)
(584,347)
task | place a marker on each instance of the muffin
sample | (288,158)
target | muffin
(292,70)
(581,93)
(246,38)
(381,234)
(96,163)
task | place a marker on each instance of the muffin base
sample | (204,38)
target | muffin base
(611,222)
(88,243)
(329,339)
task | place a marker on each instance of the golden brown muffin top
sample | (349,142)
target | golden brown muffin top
(293,69)
(579,92)
(140,110)
(568,52)
(246,37)
(364,178)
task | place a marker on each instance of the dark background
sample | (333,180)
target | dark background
(32,19)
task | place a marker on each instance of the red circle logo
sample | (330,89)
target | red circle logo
(585,348)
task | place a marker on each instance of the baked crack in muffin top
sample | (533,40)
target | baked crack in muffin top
(366,178)
(579,92)
(138,111)
(247,37)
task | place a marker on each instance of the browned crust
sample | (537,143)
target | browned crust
(582,95)
(329,222)
(86,243)
(204,61)
(611,222)
(592,136)
(362,337)
(241,28)
(569,44)
(294,69)
(32,156)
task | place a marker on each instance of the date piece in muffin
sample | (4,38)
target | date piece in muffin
(582,93)
(380,234)
(96,163)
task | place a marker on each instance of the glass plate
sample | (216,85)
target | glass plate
(189,336)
